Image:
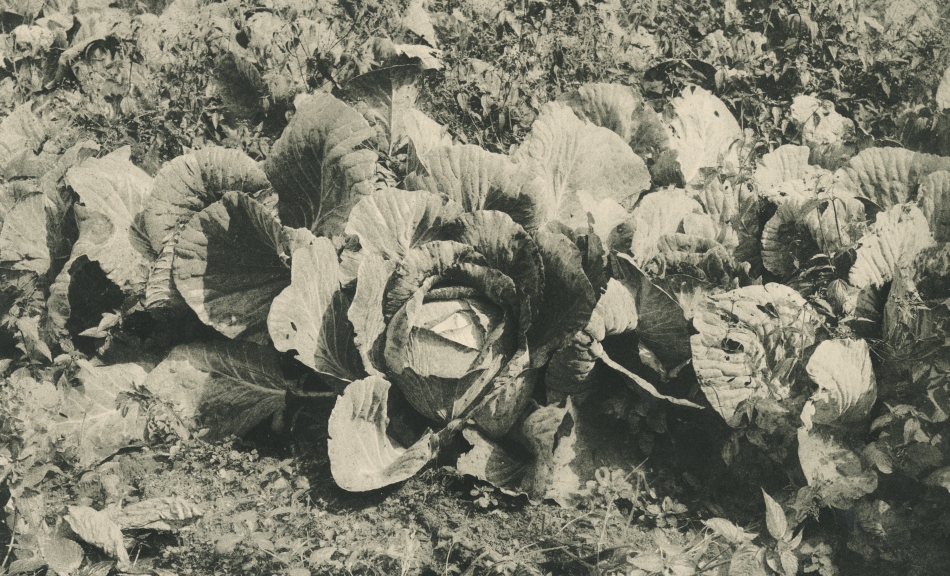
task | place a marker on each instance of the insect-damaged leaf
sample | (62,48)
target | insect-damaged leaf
(225,386)
(309,316)
(748,341)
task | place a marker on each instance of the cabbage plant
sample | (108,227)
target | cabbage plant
(457,309)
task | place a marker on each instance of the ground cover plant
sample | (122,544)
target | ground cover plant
(494,287)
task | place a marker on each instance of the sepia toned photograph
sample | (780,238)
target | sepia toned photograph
(475,287)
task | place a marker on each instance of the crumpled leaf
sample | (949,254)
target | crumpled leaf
(391,222)
(168,513)
(230,263)
(847,388)
(888,176)
(98,529)
(623,110)
(362,456)
(309,316)
(225,386)
(480,180)
(571,370)
(832,463)
(703,132)
(575,156)
(748,341)
(91,417)
(897,236)
(318,166)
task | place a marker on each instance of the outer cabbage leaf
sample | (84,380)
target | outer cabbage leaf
(620,109)
(92,417)
(424,135)
(785,174)
(190,183)
(391,222)
(889,176)
(20,130)
(656,215)
(568,297)
(574,156)
(113,192)
(847,388)
(227,387)
(703,132)
(899,233)
(510,394)
(239,84)
(362,457)
(661,324)
(60,222)
(309,316)
(749,341)
(23,238)
(318,167)
(480,180)
(366,312)
(570,372)
(933,197)
(386,96)
(832,464)
(802,228)
(567,447)
(230,264)
(818,121)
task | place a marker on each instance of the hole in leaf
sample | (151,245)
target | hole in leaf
(731,346)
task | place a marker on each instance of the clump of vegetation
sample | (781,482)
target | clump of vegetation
(592,276)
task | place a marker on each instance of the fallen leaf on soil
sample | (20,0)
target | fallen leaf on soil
(99,530)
